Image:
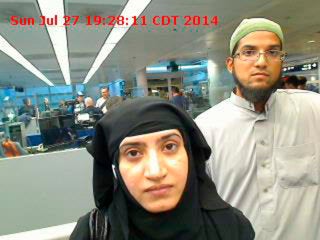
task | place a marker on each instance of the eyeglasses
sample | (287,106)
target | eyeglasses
(254,55)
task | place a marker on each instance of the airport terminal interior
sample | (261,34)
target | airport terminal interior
(58,59)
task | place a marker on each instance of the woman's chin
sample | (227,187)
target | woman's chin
(159,207)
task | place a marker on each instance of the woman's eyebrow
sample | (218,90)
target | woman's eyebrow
(132,144)
(138,144)
(165,137)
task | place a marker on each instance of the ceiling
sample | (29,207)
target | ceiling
(143,46)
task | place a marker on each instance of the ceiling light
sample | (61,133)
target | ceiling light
(192,67)
(157,69)
(103,54)
(132,9)
(116,34)
(15,55)
(57,33)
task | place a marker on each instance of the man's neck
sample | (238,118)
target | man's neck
(258,107)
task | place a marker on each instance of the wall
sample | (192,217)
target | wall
(38,191)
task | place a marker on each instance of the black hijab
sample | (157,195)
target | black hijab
(127,218)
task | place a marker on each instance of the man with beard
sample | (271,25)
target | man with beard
(266,142)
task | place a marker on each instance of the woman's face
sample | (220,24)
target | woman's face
(154,167)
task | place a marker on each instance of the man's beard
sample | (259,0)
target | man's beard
(256,95)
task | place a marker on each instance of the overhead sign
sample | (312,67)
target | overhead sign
(301,67)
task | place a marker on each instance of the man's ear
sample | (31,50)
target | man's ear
(229,64)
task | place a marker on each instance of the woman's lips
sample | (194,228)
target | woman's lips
(159,190)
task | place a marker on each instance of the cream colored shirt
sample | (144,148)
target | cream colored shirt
(268,164)
(99,103)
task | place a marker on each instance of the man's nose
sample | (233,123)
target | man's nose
(262,59)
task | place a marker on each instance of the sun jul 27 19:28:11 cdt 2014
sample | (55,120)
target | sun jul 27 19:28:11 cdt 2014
(111,21)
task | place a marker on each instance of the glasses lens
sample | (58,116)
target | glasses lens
(253,55)
(248,55)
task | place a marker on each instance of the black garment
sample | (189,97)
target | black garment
(113,102)
(91,110)
(200,215)
(94,112)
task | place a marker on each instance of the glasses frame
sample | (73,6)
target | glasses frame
(283,55)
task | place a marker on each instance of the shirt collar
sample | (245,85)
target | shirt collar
(243,103)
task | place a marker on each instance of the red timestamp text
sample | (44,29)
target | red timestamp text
(162,21)
(111,21)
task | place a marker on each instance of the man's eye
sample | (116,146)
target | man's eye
(170,147)
(248,52)
(273,53)
(133,153)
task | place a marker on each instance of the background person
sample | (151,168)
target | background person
(302,83)
(291,82)
(103,100)
(46,104)
(94,112)
(27,108)
(79,103)
(178,98)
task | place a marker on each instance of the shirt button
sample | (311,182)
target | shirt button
(263,143)
(265,190)
(263,165)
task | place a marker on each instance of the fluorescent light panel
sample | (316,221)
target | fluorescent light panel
(116,34)
(103,54)
(58,34)
(181,68)
(132,8)
(15,55)
(156,69)
(190,67)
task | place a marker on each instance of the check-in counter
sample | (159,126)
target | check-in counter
(44,190)
(61,232)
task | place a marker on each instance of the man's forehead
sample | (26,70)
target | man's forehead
(260,38)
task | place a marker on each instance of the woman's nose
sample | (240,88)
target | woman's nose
(154,166)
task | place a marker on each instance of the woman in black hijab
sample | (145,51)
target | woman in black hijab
(149,180)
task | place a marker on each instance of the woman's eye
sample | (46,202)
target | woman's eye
(133,154)
(170,147)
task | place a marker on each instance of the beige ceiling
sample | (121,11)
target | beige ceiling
(144,46)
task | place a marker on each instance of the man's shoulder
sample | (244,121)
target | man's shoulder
(298,96)
(296,92)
